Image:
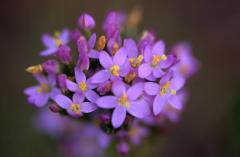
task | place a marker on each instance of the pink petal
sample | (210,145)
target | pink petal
(78,98)
(175,102)
(118,117)
(101,76)
(91,95)
(147,54)
(158,72)
(72,86)
(107,102)
(79,75)
(158,48)
(93,54)
(120,57)
(139,109)
(118,88)
(105,59)
(48,52)
(87,107)
(135,91)
(131,47)
(144,70)
(63,101)
(48,41)
(158,104)
(151,88)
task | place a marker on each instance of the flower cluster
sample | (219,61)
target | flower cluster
(119,83)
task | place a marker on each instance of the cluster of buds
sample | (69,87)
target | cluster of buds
(122,85)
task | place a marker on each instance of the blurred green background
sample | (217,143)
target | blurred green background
(210,124)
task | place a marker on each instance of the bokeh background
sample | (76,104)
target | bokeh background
(210,124)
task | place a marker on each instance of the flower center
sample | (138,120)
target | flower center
(56,38)
(44,88)
(135,62)
(166,88)
(82,86)
(75,108)
(115,70)
(101,43)
(130,76)
(123,100)
(157,59)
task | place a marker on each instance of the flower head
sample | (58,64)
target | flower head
(86,22)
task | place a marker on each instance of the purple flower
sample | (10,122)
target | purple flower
(113,24)
(64,54)
(165,91)
(86,22)
(82,86)
(51,66)
(40,94)
(188,64)
(52,43)
(124,101)
(76,106)
(113,66)
(155,61)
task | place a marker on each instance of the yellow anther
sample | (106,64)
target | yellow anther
(75,108)
(157,59)
(130,77)
(163,57)
(44,88)
(101,43)
(34,69)
(82,86)
(115,70)
(173,92)
(123,100)
(135,62)
(165,88)
(58,41)
(115,48)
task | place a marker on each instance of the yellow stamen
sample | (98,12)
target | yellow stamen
(165,88)
(58,41)
(135,62)
(130,77)
(173,92)
(115,70)
(157,59)
(123,101)
(115,48)
(75,108)
(43,88)
(82,86)
(101,43)
(34,69)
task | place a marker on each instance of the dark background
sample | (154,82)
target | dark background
(209,125)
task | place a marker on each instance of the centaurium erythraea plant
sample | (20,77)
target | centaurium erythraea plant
(117,85)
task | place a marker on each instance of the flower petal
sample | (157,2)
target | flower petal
(158,104)
(72,86)
(79,75)
(158,48)
(144,70)
(135,91)
(91,95)
(93,54)
(120,57)
(175,102)
(63,101)
(78,98)
(177,82)
(87,107)
(147,54)
(48,52)
(92,40)
(54,92)
(118,117)
(157,72)
(105,59)
(107,102)
(101,76)
(139,109)
(118,87)
(31,90)
(151,88)
(48,41)
(131,47)
(64,36)
(41,100)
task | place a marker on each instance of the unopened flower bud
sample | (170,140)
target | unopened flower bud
(64,54)
(51,66)
(123,148)
(34,69)
(86,22)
